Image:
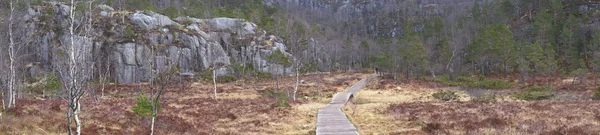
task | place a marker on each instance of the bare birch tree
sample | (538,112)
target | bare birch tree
(72,62)
(14,52)
(297,82)
(10,97)
(214,77)
(159,84)
(216,66)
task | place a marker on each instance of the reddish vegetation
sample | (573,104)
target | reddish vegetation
(184,111)
(113,116)
(557,81)
(537,117)
(391,84)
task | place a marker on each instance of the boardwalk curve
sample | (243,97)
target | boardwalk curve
(331,120)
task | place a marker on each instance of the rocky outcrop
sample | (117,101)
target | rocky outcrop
(136,44)
(150,20)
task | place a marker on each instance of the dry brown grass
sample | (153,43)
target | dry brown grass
(409,109)
(538,117)
(302,119)
(368,110)
(241,108)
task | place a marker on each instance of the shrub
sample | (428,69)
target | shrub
(263,74)
(49,85)
(170,11)
(432,128)
(596,95)
(476,82)
(485,98)
(281,99)
(538,88)
(226,79)
(207,76)
(279,57)
(492,84)
(535,93)
(143,107)
(129,32)
(308,67)
(445,95)
(52,82)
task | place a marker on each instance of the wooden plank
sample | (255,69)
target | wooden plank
(331,120)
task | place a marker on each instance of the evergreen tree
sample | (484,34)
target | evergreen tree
(493,44)
(442,53)
(567,46)
(540,60)
(412,55)
(508,8)
(543,25)
(476,11)
(365,49)
(535,59)
(593,51)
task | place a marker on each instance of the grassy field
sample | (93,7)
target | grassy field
(388,107)
(382,107)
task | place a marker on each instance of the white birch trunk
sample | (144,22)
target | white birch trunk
(76,111)
(152,126)
(3,103)
(73,67)
(215,82)
(11,53)
(70,131)
(106,73)
(297,81)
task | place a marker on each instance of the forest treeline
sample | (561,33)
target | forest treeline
(478,37)
(552,39)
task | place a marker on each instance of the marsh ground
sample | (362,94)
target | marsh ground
(382,107)
(242,107)
(389,107)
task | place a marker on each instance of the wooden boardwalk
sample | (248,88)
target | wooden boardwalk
(331,120)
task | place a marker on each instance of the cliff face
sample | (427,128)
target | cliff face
(134,44)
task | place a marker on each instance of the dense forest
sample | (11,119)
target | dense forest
(436,38)
(415,38)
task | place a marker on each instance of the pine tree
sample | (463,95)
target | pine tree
(365,49)
(593,52)
(535,59)
(413,56)
(476,11)
(508,8)
(568,47)
(540,60)
(543,25)
(493,44)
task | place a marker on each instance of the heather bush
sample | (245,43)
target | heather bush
(596,94)
(445,95)
(476,82)
(535,93)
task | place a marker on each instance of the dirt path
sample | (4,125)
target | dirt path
(331,119)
